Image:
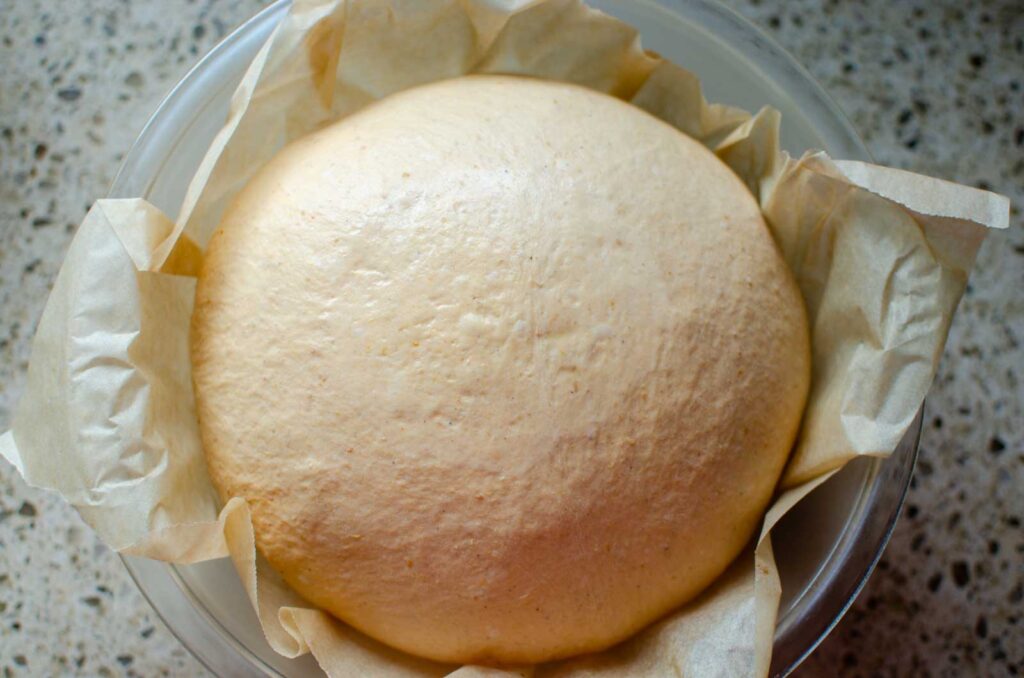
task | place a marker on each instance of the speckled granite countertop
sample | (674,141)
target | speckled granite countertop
(936,87)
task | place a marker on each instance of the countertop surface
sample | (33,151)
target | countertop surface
(935,87)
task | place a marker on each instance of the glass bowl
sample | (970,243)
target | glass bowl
(825,550)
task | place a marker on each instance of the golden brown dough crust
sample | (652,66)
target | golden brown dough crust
(506,369)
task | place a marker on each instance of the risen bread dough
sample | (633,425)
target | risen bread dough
(506,369)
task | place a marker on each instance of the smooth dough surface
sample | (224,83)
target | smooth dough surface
(507,369)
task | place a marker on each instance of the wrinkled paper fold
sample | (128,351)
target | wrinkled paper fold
(108,420)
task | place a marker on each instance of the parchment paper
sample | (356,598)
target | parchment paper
(107,419)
